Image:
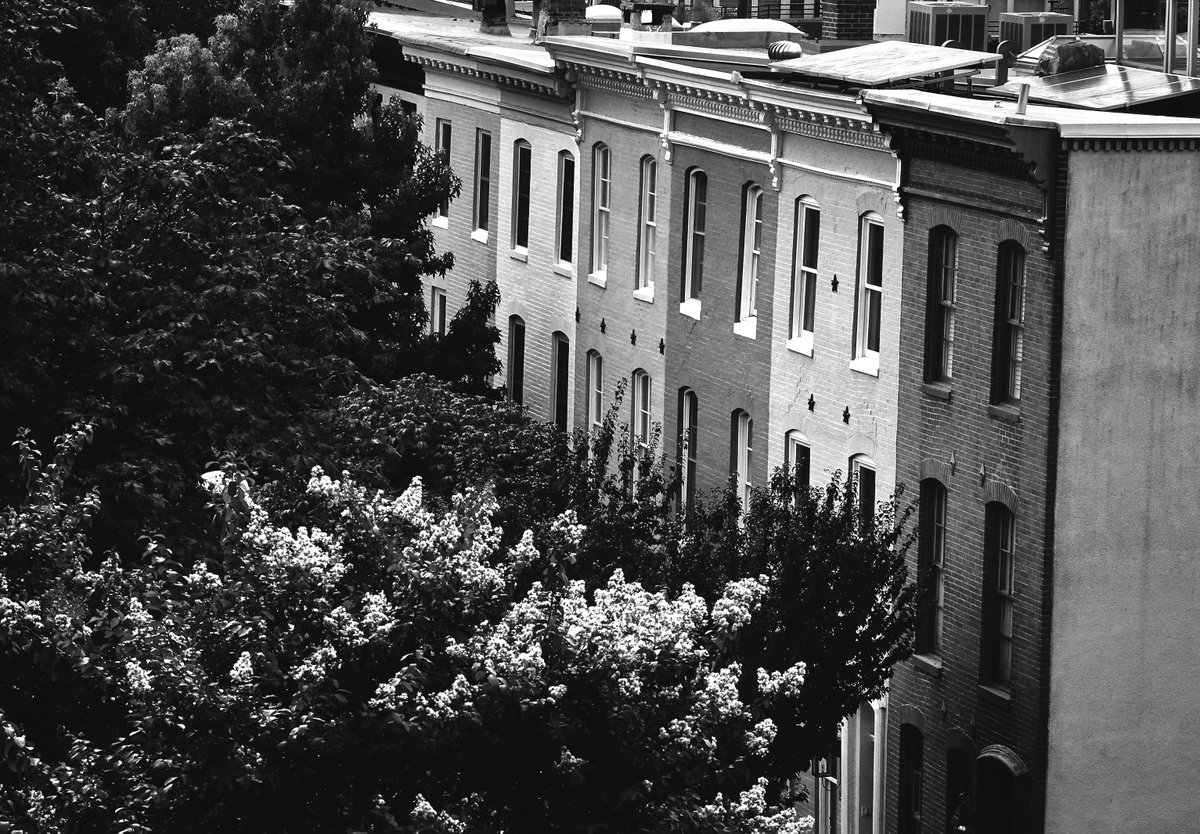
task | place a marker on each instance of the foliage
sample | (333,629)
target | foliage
(377,669)
(198,275)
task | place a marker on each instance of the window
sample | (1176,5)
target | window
(1010,317)
(741,457)
(747,287)
(939,305)
(804,273)
(689,412)
(912,777)
(797,457)
(601,195)
(640,424)
(560,359)
(696,200)
(931,561)
(999,551)
(522,165)
(595,389)
(442,134)
(437,312)
(516,359)
(566,206)
(481,209)
(862,473)
(870,293)
(647,224)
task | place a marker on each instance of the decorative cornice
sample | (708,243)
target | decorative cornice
(979,156)
(1125,145)
(552,86)
(832,129)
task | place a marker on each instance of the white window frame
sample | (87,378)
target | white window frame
(941,289)
(515,370)
(868,312)
(521,190)
(689,431)
(1008,349)
(744,456)
(482,199)
(595,389)
(564,236)
(793,442)
(805,255)
(859,464)
(640,418)
(601,210)
(746,323)
(443,132)
(695,222)
(437,312)
(647,229)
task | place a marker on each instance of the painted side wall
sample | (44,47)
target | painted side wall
(1126,620)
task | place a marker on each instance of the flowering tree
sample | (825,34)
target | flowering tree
(377,668)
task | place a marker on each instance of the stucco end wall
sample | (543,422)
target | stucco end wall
(1125,636)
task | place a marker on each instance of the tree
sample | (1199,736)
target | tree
(377,669)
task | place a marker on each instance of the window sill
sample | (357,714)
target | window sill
(645,294)
(519,253)
(1005,411)
(600,279)
(480,235)
(937,390)
(690,308)
(929,664)
(747,328)
(440,222)
(868,364)
(995,694)
(801,344)
(564,269)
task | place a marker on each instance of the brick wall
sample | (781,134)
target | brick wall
(848,20)
(985,454)
(726,371)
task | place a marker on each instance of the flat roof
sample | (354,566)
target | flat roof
(883,63)
(1108,87)
(1070,124)
(461,36)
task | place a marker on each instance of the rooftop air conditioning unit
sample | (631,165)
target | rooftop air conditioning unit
(935,23)
(1026,29)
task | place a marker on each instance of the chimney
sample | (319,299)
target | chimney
(848,20)
(562,17)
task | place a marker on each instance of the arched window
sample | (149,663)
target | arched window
(747,287)
(931,558)
(595,389)
(647,224)
(516,359)
(1008,341)
(797,457)
(522,168)
(560,380)
(601,203)
(695,201)
(805,249)
(566,207)
(862,473)
(689,413)
(640,422)
(999,557)
(959,802)
(741,454)
(869,307)
(939,304)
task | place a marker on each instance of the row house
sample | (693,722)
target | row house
(781,262)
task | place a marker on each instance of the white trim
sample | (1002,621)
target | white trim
(868,364)
(708,144)
(646,294)
(747,327)
(480,235)
(440,221)
(690,308)
(802,344)
(840,175)
(600,279)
